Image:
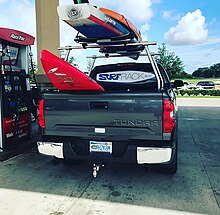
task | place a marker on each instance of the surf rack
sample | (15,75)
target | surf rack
(122,39)
(111,45)
(132,50)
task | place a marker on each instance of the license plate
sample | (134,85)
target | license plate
(104,147)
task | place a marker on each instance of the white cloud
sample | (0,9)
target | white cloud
(20,15)
(136,12)
(67,34)
(191,29)
(27,2)
(104,3)
(213,21)
(213,41)
(156,1)
(144,37)
(201,55)
(144,28)
(166,14)
(171,15)
(3,1)
(65,2)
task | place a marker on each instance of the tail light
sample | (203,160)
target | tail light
(168,112)
(41,119)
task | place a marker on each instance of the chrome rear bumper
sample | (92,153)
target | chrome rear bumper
(51,149)
(145,155)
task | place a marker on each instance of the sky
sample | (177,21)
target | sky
(190,29)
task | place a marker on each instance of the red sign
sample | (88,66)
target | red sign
(21,130)
(17,37)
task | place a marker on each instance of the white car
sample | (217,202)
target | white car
(206,85)
(188,86)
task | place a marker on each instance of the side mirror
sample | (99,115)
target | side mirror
(177,83)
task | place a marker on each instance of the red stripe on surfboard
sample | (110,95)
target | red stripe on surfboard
(100,22)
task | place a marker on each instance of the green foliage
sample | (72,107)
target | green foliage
(33,71)
(182,92)
(189,92)
(89,66)
(70,59)
(171,63)
(208,72)
(197,92)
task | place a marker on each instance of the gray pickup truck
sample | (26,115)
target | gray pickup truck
(133,121)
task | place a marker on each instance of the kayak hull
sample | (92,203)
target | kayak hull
(90,21)
(64,76)
(97,23)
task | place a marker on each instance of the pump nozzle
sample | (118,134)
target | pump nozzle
(8,50)
(1,50)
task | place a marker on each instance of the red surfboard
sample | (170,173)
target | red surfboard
(65,76)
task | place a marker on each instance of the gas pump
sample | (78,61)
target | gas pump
(15,90)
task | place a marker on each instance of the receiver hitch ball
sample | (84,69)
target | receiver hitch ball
(96,168)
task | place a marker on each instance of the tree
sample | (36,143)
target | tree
(32,70)
(171,62)
(90,65)
(215,70)
(208,72)
(70,59)
(198,73)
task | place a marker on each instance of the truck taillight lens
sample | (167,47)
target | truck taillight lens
(41,120)
(168,120)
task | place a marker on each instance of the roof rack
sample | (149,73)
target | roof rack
(132,50)
(99,46)
(122,39)
(117,55)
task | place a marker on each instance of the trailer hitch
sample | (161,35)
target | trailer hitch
(96,168)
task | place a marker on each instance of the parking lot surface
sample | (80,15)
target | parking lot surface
(31,184)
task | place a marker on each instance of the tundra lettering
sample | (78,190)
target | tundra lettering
(136,122)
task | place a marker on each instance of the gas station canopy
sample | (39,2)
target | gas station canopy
(16,36)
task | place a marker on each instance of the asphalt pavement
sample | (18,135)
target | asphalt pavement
(31,184)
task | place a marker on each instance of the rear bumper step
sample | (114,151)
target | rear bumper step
(147,155)
(51,149)
(144,155)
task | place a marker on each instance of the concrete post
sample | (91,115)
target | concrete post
(48,33)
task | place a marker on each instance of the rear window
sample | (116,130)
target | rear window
(126,76)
